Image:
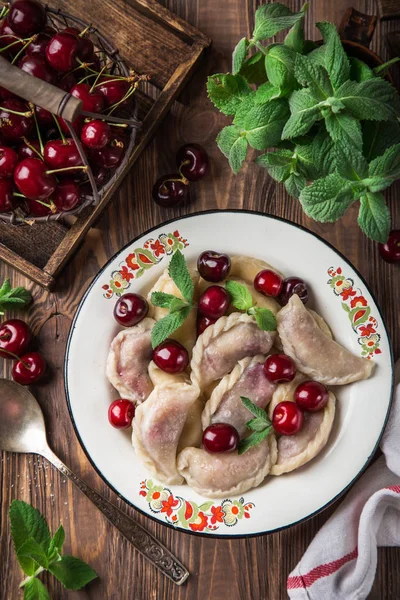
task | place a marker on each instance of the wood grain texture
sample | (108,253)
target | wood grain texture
(252,569)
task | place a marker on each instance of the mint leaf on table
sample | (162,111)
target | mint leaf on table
(161,299)
(350,162)
(180,275)
(239,55)
(314,77)
(270,19)
(374,99)
(262,125)
(10,297)
(387,165)
(233,145)
(35,590)
(336,61)
(279,65)
(167,325)
(345,129)
(34,550)
(374,216)
(278,163)
(378,137)
(240,295)
(253,69)
(56,544)
(294,184)
(261,426)
(265,318)
(327,199)
(304,113)
(27,524)
(266,92)
(73,573)
(227,91)
(359,71)
(317,158)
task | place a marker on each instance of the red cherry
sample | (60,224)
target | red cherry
(100,175)
(60,155)
(96,134)
(4,93)
(15,336)
(130,309)
(169,190)
(14,127)
(287,418)
(171,357)
(37,67)
(7,37)
(29,369)
(67,81)
(203,323)
(220,437)
(213,266)
(7,200)
(39,45)
(24,151)
(279,368)
(214,302)
(27,17)
(390,252)
(192,161)
(91,102)
(61,51)
(113,91)
(108,157)
(67,195)
(121,413)
(37,209)
(86,47)
(311,396)
(293,285)
(268,283)
(8,161)
(77,125)
(44,117)
(32,180)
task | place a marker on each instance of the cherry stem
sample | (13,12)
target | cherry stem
(17,41)
(60,130)
(49,205)
(182,179)
(132,122)
(86,77)
(85,31)
(86,66)
(81,167)
(4,12)
(26,114)
(109,81)
(129,93)
(32,148)
(37,130)
(96,80)
(29,41)
(185,162)
(19,195)
(16,357)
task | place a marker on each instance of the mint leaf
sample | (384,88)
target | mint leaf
(167,325)
(295,37)
(176,305)
(5,288)
(161,299)
(255,410)
(227,92)
(270,19)
(304,113)
(265,318)
(253,69)
(73,573)
(10,297)
(35,590)
(317,158)
(350,162)
(256,424)
(294,184)
(345,129)
(180,275)
(56,544)
(314,76)
(327,199)
(278,163)
(34,550)
(359,71)
(387,165)
(374,216)
(239,55)
(316,55)
(279,65)
(240,295)
(263,125)
(384,68)
(234,145)
(266,92)
(375,99)
(336,61)
(253,439)
(26,523)
(378,137)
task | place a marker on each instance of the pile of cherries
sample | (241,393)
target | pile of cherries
(287,417)
(192,164)
(15,337)
(41,170)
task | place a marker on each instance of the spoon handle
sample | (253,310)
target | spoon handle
(141,539)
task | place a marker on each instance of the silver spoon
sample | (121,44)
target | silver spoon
(22,429)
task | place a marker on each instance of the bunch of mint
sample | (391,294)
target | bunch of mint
(38,551)
(328,122)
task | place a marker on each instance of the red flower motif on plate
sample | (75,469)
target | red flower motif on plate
(347,293)
(125,274)
(366,330)
(169,505)
(199,526)
(217,514)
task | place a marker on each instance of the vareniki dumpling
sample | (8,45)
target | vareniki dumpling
(224,475)
(314,353)
(222,345)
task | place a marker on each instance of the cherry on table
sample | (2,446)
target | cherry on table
(279,368)
(192,161)
(61,51)
(32,180)
(8,161)
(220,437)
(29,369)
(27,17)
(121,413)
(15,127)
(203,322)
(287,418)
(59,154)
(169,190)
(67,195)
(96,134)
(91,101)
(6,195)
(37,67)
(213,266)
(390,252)
(214,302)
(113,91)
(171,357)
(293,285)
(15,336)
(130,309)
(311,396)
(268,283)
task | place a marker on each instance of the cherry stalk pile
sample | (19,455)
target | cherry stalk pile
(41,170)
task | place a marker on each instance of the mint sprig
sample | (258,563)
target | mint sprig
(242,299)
(261,426)
(38,551)
(11,298)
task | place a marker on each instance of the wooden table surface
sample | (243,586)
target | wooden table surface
(245,569)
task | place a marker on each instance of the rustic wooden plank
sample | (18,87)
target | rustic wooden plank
(35,244)
(389,9)
(26,267)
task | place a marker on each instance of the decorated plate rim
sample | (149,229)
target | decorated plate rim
(95,280)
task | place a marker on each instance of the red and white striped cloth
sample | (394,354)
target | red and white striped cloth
(340,563)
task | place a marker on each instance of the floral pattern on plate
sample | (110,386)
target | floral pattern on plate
(189,515)
(142,259)
(358,311)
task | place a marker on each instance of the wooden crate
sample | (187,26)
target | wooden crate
(152,40)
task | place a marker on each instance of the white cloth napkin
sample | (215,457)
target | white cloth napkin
(340,563)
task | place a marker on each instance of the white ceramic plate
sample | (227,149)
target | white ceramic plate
(339,294)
